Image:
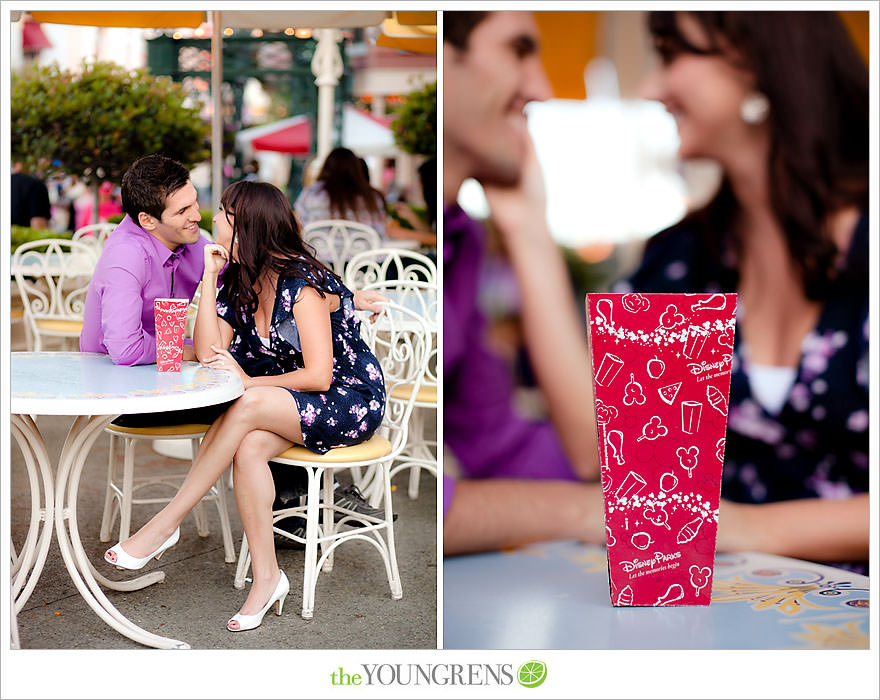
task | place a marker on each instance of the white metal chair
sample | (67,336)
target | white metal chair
(401,341)
(53,277)
(96,234)
(410,279)
(336,241)
(388,265)
(122,487)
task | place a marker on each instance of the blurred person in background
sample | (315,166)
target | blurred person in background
(342,191)
(520,480)
(780,101)
(28,200)
(108,205)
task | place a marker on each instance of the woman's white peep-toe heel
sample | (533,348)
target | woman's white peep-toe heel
(125,561)
(249,622)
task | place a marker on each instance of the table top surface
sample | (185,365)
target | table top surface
(555,596)
(79,384)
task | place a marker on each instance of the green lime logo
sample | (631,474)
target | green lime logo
(531,674)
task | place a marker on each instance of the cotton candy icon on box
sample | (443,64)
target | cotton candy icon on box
(661,370)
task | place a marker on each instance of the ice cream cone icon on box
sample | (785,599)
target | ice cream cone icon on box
(662,373)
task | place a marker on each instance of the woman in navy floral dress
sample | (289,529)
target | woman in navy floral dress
(352,408)
(286,325)
(780,101)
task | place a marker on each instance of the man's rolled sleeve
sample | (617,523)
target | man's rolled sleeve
(125,338)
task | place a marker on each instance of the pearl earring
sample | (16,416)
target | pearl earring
(754,108)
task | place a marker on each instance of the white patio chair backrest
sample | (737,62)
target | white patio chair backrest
(393,264)
(336,241)
(53,277)
(96,234)
(401,341)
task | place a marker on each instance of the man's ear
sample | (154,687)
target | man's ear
(147,222)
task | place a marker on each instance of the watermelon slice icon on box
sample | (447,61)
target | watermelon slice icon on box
(669,392)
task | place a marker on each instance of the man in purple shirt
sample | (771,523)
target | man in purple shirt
(156,251)
(522,480)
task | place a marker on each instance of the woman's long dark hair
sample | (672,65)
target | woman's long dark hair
(347,187)
(268,239)
(817,85)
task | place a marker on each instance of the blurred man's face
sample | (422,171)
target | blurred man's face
(485,88)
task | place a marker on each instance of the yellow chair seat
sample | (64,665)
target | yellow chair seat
(374,448)
(59,325)
(161,431)
(427,394)
(16,313)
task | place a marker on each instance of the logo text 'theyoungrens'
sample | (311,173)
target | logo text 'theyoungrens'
(425,674)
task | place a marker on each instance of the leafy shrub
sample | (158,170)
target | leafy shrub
(415,128)
(19,235)
(95,122)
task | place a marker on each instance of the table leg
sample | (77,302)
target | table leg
(30,561)
(82,435)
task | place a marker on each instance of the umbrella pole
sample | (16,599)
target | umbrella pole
(327,68)
(217,116)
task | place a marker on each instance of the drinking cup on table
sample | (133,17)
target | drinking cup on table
(170,326)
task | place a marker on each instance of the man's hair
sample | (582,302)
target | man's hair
(148,182)
(457,26)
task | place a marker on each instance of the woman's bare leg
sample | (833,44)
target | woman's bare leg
(260,408)
(254,494)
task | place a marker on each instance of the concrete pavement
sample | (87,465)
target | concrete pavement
(353,608)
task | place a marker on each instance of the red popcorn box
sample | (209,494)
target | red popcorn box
(170,326)
(661,370)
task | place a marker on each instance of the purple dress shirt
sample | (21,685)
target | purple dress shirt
(480,424)
(134,269)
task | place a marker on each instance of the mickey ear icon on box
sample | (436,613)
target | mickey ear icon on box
(661,369)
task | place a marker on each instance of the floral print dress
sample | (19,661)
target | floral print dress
(816,446)
(352,408)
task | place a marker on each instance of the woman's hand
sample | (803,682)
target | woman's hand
(369,300)
(216,256)
(223,359)
(737,529)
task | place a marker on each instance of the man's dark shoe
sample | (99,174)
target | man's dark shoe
(350,497)
(293,525)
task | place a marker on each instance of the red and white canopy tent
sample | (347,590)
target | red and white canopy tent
(362,132)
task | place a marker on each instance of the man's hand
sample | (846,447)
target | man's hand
(521,208)
(369,300)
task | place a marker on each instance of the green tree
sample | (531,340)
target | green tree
(415,128)
(96,121)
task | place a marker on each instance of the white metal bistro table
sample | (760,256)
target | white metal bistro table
(94,391)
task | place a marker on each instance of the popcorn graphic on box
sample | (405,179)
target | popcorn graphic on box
(661,369)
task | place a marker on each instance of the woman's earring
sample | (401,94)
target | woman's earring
(754,108)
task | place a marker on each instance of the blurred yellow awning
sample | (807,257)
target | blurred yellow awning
(137,18)
(568,43)
(414,38)
(410,17)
